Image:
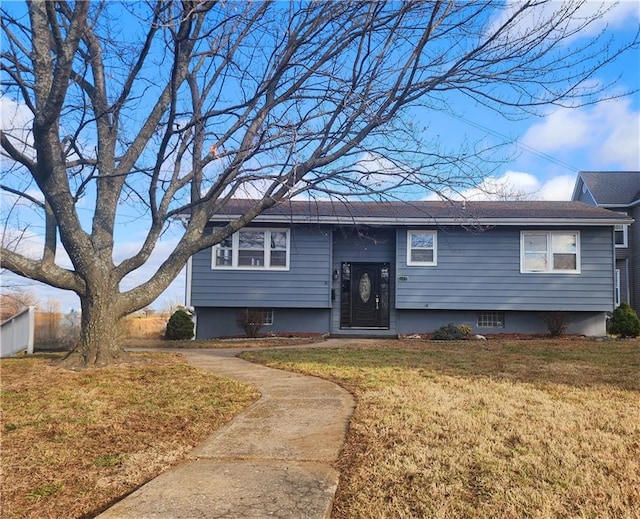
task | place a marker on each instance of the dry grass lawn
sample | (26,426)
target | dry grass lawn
(543,429)
(74,442)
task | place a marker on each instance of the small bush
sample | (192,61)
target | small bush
(179,327)
(251,320)
(556,323)
(624,322)
(452,332)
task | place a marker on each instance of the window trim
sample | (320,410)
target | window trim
(235,249)
(549,252)
(432,263)
(625,236)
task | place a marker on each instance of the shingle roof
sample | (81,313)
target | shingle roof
(424,212)
(613,187)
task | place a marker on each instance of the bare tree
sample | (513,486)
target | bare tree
(174,107)
(14,299)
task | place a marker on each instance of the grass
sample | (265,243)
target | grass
(259,342)
(73,442)
(544,429)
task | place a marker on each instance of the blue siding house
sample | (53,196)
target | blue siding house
(618,191)
(399,268)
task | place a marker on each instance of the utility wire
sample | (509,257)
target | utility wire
(517,143)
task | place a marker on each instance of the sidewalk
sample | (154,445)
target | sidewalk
(276,459)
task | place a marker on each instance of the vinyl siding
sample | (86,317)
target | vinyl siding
(481,271)
(634,260)
(583,194)
(305,285)
(475,271)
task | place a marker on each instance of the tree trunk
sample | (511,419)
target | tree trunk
(100,335)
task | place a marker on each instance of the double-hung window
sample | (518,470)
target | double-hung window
(550,252)
(621,236)
(422,248)
(253,249)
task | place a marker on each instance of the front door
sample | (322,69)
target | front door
(365,295)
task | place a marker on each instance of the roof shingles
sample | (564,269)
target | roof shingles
(613,187)
(425,210)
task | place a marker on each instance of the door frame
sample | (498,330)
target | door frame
(348,284)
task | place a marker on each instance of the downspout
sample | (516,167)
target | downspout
(626,280)
(187,285)
(187,289)
(615,259)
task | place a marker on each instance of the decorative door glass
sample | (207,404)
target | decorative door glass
(364,288)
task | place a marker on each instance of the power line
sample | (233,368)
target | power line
(517,143)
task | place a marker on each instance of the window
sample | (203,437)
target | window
(253,249)
(555,252)
(422,248)
(260,316)
(490,319)
(618,298)
(621,236)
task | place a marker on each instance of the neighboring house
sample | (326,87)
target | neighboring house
(397,268)
(618,191)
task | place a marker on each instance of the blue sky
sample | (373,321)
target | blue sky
(543,161)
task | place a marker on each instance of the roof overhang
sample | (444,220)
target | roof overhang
(457,221)
(621,206)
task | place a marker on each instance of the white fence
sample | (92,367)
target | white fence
(18,332)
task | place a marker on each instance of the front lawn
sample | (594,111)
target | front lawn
(75,441)
(544,429)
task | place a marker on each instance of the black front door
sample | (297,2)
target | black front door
(365,295)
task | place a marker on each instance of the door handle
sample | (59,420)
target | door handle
(377,302)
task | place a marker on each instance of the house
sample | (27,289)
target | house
(618,191)
(398,268)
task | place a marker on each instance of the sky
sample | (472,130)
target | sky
(542,163)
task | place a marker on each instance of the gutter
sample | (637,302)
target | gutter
(620,206)
(360,220)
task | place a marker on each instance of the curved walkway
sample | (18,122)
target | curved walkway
(275,459)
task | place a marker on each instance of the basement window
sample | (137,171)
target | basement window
(490,320)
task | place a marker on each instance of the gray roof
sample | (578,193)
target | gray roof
(428,212)
(616,188)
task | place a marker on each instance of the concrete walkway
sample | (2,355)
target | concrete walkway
(276,459)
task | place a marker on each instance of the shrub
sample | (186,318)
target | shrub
(251,320)
(179,327)
(556,323)
(624,322)
(451,332)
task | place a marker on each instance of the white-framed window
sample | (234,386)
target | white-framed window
(422,248)
(620,234)
(253,249)
(490,319)
(550,252)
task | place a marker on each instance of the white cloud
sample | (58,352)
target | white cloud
(22,241)
(608,134)
(556,188)
(15,121)
(516,185)
(607,14)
